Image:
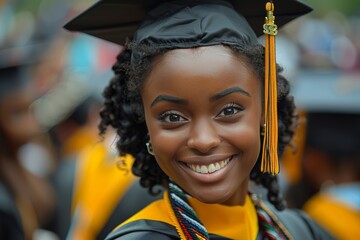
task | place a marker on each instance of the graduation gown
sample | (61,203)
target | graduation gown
(157,221)
(95,194)
(340,216)
(10,220)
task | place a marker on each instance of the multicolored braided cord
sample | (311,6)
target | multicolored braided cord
(186,216)
(193,228)
(268,226)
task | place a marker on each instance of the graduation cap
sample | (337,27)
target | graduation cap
(331,101)
(336,133)
(15,62)
(194,23)
(115,20)
(17,55)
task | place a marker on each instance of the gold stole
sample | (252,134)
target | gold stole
(99,184)
(232,222)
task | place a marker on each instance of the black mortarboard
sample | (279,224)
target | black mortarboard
(115,20)
(12,79)
(336,133)
(331,100)
(14,66)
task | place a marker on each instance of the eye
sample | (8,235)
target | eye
(230,110)
(171,117)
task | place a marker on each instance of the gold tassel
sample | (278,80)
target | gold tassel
(269,161)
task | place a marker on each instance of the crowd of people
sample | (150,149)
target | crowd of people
(82,150)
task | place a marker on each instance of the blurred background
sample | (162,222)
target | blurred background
(67,72)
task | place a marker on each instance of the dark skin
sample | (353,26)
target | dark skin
(336,172)
(17,121)
(203,111)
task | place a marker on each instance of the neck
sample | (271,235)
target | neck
(238,199)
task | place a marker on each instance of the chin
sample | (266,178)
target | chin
(212,197)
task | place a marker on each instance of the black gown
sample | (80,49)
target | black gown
(10,221)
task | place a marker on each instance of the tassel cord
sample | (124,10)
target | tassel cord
(269,163)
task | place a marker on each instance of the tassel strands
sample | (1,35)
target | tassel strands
(269,161)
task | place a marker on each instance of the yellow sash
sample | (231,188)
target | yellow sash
(342,221)
(99,185)
(234,222)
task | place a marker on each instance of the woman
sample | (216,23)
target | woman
(27,201)
(187,102)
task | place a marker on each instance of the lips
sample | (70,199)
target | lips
(210,168)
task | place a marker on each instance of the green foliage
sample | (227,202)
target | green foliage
(348,7)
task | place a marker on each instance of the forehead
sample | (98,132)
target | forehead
(216,65)
(211,53)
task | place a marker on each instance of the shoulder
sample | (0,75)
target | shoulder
(143,230)
(298,224)
(153,222)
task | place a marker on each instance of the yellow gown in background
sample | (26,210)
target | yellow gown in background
(338,217)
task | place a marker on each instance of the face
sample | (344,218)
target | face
(203,113)
(17,121)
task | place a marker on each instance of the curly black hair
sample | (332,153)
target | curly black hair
(123,111)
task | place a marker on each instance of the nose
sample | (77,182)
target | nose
(203,136)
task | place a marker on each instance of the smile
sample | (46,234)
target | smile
(213,167)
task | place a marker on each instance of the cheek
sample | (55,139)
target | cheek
(166,144)
(251,142)
(246,138)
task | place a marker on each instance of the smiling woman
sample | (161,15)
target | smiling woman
(195,100)
(198,120)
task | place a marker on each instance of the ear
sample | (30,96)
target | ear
(262,121)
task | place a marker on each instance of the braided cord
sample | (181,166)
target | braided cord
(193,228)
(190,224)
(268,226)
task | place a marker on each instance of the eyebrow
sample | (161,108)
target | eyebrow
(168,99)
(229,91)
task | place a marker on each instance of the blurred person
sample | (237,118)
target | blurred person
(328,188)
(78,130)
(96,190)
(104,191)
(26,201)
(331,165)
(39,156)
(69,111)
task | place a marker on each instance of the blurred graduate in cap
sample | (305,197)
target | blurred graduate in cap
(333,145)
(204,110)
(94,187)
(329,188)
(26,200)
(69,113)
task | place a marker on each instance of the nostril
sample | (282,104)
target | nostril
(203,145)
(203,136)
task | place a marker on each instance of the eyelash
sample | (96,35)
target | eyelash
(162,117)
(232,106)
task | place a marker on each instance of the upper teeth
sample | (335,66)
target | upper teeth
(209,168)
